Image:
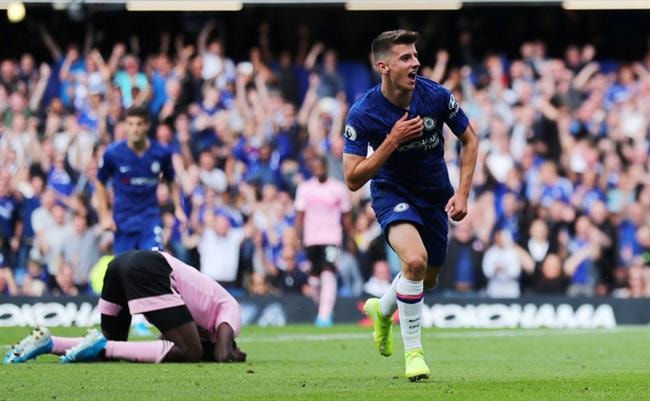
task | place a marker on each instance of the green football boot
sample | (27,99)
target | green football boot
(383,326)
(416,368)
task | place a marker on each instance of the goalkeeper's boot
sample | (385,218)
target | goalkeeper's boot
(416,368)
(38,342)
(383,326)
(90,349)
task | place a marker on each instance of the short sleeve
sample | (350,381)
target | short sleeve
(142,81)
(106,169)
(355,135)
(238,234)
(119,78)
(455,117)
(300,204)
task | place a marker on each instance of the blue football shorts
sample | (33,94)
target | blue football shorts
(430,219)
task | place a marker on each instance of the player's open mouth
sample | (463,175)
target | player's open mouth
(412,76)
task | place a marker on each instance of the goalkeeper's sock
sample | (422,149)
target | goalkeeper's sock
(61,344)
(138,351)
(409,303)
(388,300)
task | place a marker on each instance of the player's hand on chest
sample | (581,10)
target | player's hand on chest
(414,133)
(407,128)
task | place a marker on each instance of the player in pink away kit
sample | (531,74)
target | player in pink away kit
(323,214)
(197,318)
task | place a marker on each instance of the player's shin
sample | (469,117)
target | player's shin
(61,344)
(409,302)
(314,284)
(140,351)
(327,296)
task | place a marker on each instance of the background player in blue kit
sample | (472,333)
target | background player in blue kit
(402,119)
(135,167)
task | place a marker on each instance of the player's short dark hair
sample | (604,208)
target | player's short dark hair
(138,111)
(386,40)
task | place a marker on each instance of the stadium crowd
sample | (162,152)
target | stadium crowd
(560,201)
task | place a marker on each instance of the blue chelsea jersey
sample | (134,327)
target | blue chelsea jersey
(417,166)
(135,179)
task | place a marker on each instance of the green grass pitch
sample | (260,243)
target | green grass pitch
(305,363)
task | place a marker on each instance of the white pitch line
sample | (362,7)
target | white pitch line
(305,337)
(466,334)
(429,335)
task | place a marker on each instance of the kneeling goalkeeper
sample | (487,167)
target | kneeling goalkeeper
(197,318)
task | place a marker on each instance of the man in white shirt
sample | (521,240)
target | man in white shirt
(218,244)
(502,265)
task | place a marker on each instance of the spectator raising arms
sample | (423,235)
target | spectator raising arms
(97,129)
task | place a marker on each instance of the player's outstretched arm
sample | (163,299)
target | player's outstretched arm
(178,207)
(457,205)
(359,169)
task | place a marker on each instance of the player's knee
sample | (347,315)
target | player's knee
(190,352)
(430,282)
(416,266)
(193,353)
(431,279)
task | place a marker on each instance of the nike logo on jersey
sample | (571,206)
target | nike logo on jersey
(124,169)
